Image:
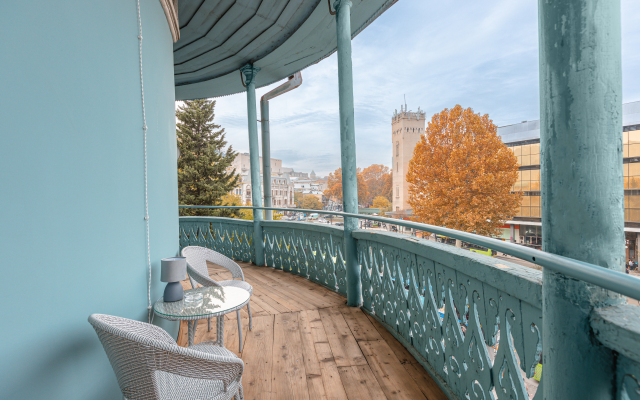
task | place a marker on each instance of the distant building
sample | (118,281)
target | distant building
(284,181)
(303,175)
(281,190)
(281,184)
(301,185)
(406,129)
(242,165)
(524,140)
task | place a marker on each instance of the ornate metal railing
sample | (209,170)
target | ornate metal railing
(474,322)
(427,294)
(229,236)
(311,250)
(451,308)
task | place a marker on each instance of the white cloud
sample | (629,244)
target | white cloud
(480,54)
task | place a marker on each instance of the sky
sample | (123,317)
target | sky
(479,54)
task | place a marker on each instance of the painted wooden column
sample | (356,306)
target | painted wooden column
(582,185)
(250,73)
(348,149)
(266,157)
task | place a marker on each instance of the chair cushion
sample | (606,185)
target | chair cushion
(240,284)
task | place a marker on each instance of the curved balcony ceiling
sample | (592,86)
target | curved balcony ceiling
(282,37)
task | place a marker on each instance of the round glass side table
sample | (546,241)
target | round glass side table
(203,303)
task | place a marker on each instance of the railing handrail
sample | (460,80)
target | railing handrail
(603,277)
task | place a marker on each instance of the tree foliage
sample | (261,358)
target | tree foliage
(311,202)
(230,199)
(204,177)
(382,203)
(297,199)
(461,174)
(378,181)
(334,186)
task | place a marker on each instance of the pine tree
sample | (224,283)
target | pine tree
(204,177)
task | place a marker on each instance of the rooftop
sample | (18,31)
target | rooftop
(530,130)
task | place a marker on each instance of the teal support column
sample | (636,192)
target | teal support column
(266,157)
(348,150)
(250,72)
(582,185)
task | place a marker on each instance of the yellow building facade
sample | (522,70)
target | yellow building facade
(524,140)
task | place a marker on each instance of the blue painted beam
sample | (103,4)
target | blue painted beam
(250,72)
(348,149)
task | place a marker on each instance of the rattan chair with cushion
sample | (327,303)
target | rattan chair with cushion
(149,365)
(197,258)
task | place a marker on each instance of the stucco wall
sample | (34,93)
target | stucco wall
(72,234)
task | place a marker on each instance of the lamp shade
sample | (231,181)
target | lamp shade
(173,269)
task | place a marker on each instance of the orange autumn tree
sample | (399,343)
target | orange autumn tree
(334,186)
(378,181)
(461,174)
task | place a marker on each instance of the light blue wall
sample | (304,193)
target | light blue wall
(72,235)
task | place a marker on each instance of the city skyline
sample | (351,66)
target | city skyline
(473,63)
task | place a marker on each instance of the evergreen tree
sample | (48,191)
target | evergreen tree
(204,177)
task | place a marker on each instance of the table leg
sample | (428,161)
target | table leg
(192,330)
(239,331)
(220,332)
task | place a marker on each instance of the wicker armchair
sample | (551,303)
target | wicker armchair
(197,258)
(149,365)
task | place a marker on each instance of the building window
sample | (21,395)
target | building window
(397,149)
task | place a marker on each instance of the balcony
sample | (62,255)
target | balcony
(90,197)
(473,322)
(306,344)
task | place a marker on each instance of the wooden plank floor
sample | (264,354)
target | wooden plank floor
(307,344)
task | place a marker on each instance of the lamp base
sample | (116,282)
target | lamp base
(173,292)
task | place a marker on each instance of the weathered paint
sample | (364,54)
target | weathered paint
(72,186)
(250,72)
(618,327)
(348,149)
(582,181)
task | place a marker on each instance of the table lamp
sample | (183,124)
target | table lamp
(174,270)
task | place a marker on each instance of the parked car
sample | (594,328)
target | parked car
(339,224)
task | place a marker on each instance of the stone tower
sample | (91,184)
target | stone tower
(406,129)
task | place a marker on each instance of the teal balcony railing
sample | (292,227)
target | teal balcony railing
(474,322)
